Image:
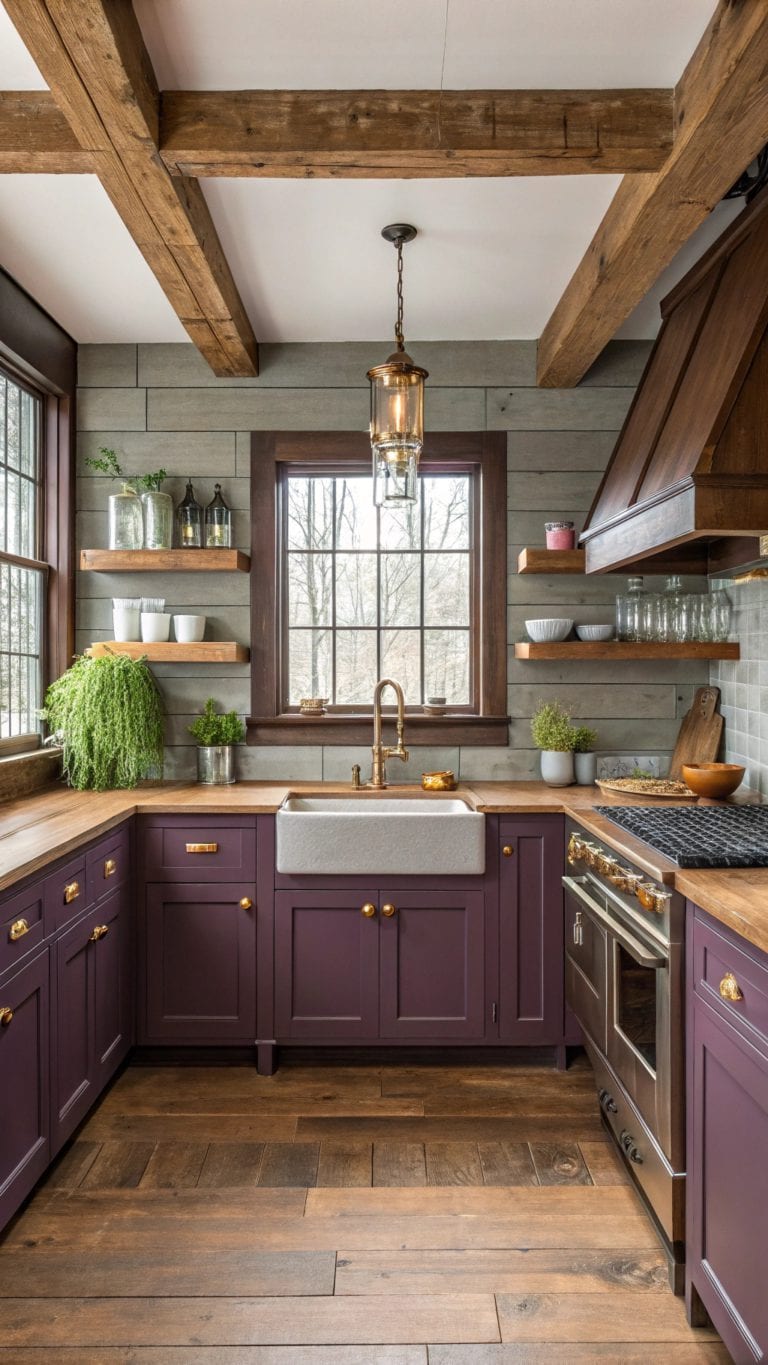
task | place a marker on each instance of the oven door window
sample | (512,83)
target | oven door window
(636,988)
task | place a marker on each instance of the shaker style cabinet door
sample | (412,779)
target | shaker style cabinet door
(432,964)
(531,1008)
(198,960)
(24,1129)
(112,986)
(73,1071)
(326,964)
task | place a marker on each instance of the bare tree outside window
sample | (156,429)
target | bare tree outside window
(22,575)
(373,592)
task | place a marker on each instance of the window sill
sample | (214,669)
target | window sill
(22,774)
(291,728)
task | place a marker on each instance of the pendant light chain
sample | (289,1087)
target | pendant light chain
(399,338)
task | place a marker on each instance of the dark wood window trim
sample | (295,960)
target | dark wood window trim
(267,724)
(37,351)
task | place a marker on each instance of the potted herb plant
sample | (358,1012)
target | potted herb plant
(584,757)
(216,734)
(108,716)
(553,733)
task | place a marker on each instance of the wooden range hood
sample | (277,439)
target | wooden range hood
(687,484)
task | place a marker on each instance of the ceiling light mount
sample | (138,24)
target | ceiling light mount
(397,402)
(399,232)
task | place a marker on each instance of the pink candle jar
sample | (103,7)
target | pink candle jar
(560,535)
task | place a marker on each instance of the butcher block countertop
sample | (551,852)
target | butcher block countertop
(36,830)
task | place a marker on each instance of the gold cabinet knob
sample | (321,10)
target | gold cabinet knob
(98,932)
(388,910)
(6,1015)
(730,988)
(110,867)
(17,930)
(71,892)
(508,850)
(369,910)
(246,903)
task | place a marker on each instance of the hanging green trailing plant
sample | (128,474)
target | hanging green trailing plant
(108,713)
(214,727)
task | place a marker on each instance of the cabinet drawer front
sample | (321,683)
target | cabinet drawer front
(22,925)
(721,968)
(204,850)
(66,893)
(108,864)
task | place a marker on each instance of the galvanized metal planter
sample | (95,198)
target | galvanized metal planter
(216,764)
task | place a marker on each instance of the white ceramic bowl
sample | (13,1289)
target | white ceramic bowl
(548,628)
(590,632)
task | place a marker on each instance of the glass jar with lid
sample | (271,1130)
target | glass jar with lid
(189,520)
(629,609)
(218,522)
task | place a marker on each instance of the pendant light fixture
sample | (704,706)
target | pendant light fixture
(397,403)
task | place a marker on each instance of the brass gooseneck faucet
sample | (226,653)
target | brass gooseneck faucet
(381,752)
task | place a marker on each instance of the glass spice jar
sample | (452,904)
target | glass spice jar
(126,523)
(189,520)
(218,522)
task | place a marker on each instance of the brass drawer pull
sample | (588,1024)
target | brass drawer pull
(110,867)
(71,892)
(17,930)
(730,988)
(98,932)
(202,848)
(508,851)
(388,911)
(369,910)
(246,903)
(6,1015)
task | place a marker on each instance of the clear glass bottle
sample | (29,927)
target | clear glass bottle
(126,523)
(158,520)
(218,522)
(189,519)
(720,615)
(669,607)
(628,610)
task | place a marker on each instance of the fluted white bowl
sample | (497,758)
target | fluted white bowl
(590,632)
(549,628)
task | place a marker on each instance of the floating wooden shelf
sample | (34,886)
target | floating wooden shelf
(624,649)
(171,652)
(536,560)
(165,561)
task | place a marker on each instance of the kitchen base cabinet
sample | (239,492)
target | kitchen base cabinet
(326,965)
(531,1009)
(93,1010)
(197,953)
(727,1195)
(432,965)
(24,1082)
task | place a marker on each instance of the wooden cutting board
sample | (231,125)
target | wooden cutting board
(699,737)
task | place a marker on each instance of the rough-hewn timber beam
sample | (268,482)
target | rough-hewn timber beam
(35,136)
(93,57)
(721,120)
(405,134)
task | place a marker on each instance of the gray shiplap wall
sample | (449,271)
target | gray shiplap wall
(160,405)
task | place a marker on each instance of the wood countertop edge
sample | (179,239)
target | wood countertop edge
(38,830)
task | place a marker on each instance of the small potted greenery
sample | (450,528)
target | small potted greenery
(584,757)
(553,733)
(136,522)
(216,734)
(107,714)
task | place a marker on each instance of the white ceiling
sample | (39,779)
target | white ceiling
(492,256)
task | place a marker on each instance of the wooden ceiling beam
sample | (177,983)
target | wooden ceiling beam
(406,134)
(35,136)
(721,120)
(93,57)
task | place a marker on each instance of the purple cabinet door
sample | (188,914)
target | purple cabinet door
(531,1006)
(432,964)
(24,1083)
(112,987)
(198,955)
(326,965)
(73,1088)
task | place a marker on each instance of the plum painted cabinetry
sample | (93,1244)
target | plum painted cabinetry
(531,930)
(727,1198)
(24,1081)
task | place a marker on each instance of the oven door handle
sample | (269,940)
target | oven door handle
(639,952)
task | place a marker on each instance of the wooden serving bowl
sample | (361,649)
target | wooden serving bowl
(713,780)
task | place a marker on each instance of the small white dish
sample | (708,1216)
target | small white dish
(155,627)
(189,629)
(549,628)
(590,632)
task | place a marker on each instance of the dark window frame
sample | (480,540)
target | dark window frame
(483,452)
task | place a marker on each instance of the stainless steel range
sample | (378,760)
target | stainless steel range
(624,936)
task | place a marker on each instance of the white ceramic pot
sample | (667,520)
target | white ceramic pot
(125,623)
(586,769)
(189,629)
(556,767)
(155,627)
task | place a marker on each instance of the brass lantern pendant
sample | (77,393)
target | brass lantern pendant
(397,404)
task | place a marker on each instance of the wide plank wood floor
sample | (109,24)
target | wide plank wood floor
(349,1215)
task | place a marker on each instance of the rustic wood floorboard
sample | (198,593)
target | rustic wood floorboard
(210,1216)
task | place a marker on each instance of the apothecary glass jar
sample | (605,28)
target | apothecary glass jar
(629,609)
(218,522)
(158,520)
(126,523)
(189,519)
